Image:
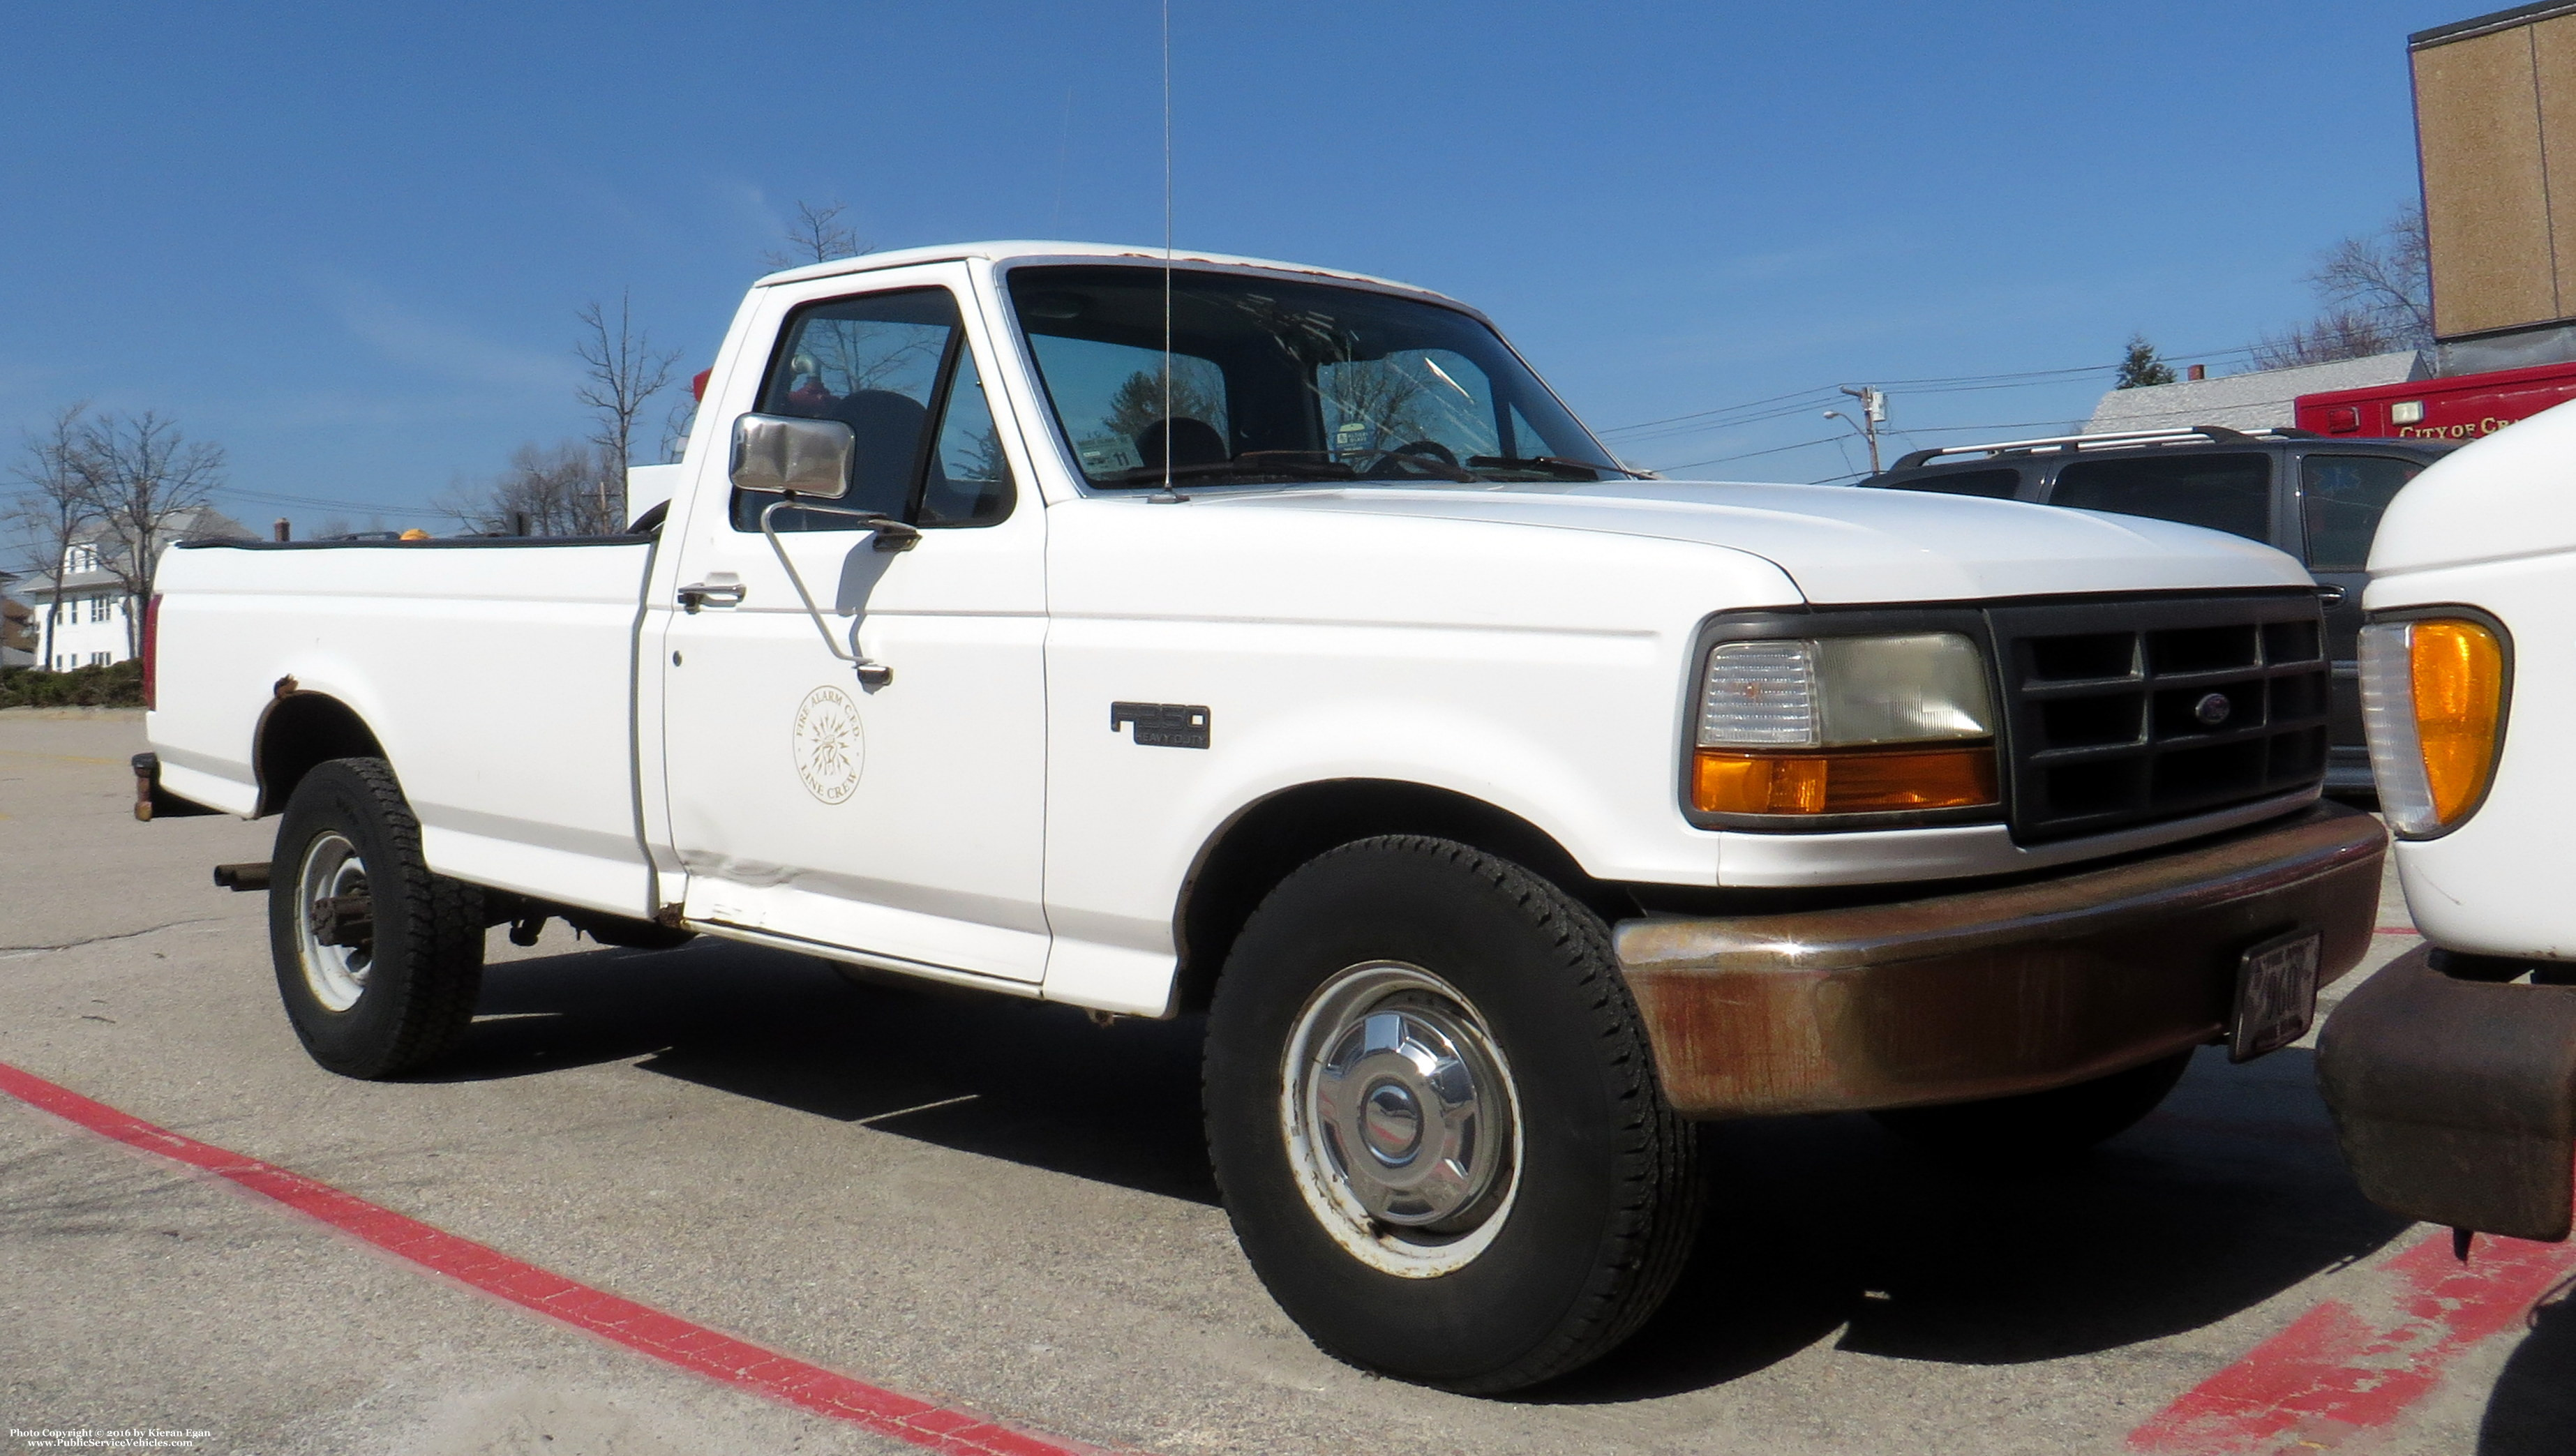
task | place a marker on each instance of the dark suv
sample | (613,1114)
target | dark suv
(2317,498)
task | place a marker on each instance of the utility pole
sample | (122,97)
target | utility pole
(1873,413)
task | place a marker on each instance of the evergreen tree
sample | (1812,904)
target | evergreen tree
(2141,366)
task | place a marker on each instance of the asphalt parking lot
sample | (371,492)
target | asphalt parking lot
(997,1207)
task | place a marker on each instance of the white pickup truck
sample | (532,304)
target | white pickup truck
(1268,643)
(2452,1071)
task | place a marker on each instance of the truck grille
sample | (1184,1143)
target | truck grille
(2129,712)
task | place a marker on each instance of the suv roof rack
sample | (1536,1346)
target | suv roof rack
(2181,435)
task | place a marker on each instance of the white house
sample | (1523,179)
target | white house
(91,628)
(2262,400)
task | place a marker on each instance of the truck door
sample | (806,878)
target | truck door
(2341,497)
(897,819)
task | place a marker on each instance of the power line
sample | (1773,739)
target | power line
(380,508)
(1940,384)
(1749,454)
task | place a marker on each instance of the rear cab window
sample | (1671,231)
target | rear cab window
(2224,492)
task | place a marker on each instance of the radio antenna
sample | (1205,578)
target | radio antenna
(1167,495)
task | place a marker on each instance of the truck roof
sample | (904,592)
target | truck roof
(1026,249)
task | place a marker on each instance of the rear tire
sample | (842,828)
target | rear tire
(2058,1123)
(378,960)
(1434,1117)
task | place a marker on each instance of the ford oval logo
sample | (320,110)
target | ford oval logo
(2213,709)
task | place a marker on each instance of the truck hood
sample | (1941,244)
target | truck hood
(2499,497)
(1841,544)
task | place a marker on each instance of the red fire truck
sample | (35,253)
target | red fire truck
(2462,407)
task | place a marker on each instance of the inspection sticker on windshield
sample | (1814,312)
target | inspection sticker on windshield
(2276,994)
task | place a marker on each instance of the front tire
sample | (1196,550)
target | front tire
(378,960)
(1435,1120)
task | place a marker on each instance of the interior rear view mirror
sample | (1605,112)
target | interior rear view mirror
(781,453)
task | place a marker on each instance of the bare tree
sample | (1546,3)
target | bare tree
(623,371)
(546,491)
(2377,289)
(2387,275)
(54,508)
(2342,333)
(676,425)
(816,236)
(144,481)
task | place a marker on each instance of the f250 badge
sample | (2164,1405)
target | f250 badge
(829,746)
(1163,725)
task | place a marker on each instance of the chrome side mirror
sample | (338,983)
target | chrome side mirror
(781,453)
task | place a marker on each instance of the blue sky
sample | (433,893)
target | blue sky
(346,242)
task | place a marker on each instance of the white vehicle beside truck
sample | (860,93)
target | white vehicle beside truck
(1228,638)
(2452,1071)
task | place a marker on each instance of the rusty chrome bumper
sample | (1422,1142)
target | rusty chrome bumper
(1990,992)
(2455,1096)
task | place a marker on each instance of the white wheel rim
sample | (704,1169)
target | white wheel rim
(335,974)
(1401,1119)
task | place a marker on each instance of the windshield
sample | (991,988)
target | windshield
(1276,381)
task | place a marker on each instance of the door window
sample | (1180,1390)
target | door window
(2231,493)
(2341,498)
(888,365)
(969,482)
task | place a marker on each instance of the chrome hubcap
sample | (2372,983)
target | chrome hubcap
(1401,1119)
(335,932)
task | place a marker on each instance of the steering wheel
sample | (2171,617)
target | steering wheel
(1426,457)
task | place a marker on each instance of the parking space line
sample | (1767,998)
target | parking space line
(638,1327)
(2335,1372)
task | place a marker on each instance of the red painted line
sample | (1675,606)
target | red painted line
(2336,1372)
(638,1327)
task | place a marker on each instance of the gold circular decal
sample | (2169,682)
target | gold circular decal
(829,746)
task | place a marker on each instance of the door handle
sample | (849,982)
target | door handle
(2330,594)
(710,594)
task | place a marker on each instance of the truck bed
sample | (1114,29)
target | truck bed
(511,713)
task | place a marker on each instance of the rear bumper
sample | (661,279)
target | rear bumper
(1990,992)
(2455,1098)
(151,801)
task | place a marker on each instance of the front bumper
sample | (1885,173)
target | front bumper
(2455,1097)
(1992,992)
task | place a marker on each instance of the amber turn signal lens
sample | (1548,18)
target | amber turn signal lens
(2458,672)
(1854,781)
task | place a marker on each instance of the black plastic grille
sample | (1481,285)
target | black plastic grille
(2129,712)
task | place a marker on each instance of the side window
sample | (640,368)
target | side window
(2231,493)
(2341,498)
(1992,484)
(875,364)
(969,482)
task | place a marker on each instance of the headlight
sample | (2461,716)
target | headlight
(1844,725)
(2432,703)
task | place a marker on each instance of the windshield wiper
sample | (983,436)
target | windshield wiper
(1250,464)
(1553,464)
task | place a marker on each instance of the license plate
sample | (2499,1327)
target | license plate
(2276,994)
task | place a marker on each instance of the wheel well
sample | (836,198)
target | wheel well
(1263,843)
(298,731)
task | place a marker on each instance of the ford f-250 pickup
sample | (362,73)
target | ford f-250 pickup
(1268,643)
(2451,1072)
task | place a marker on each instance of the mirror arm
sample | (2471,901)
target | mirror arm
(886,529)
